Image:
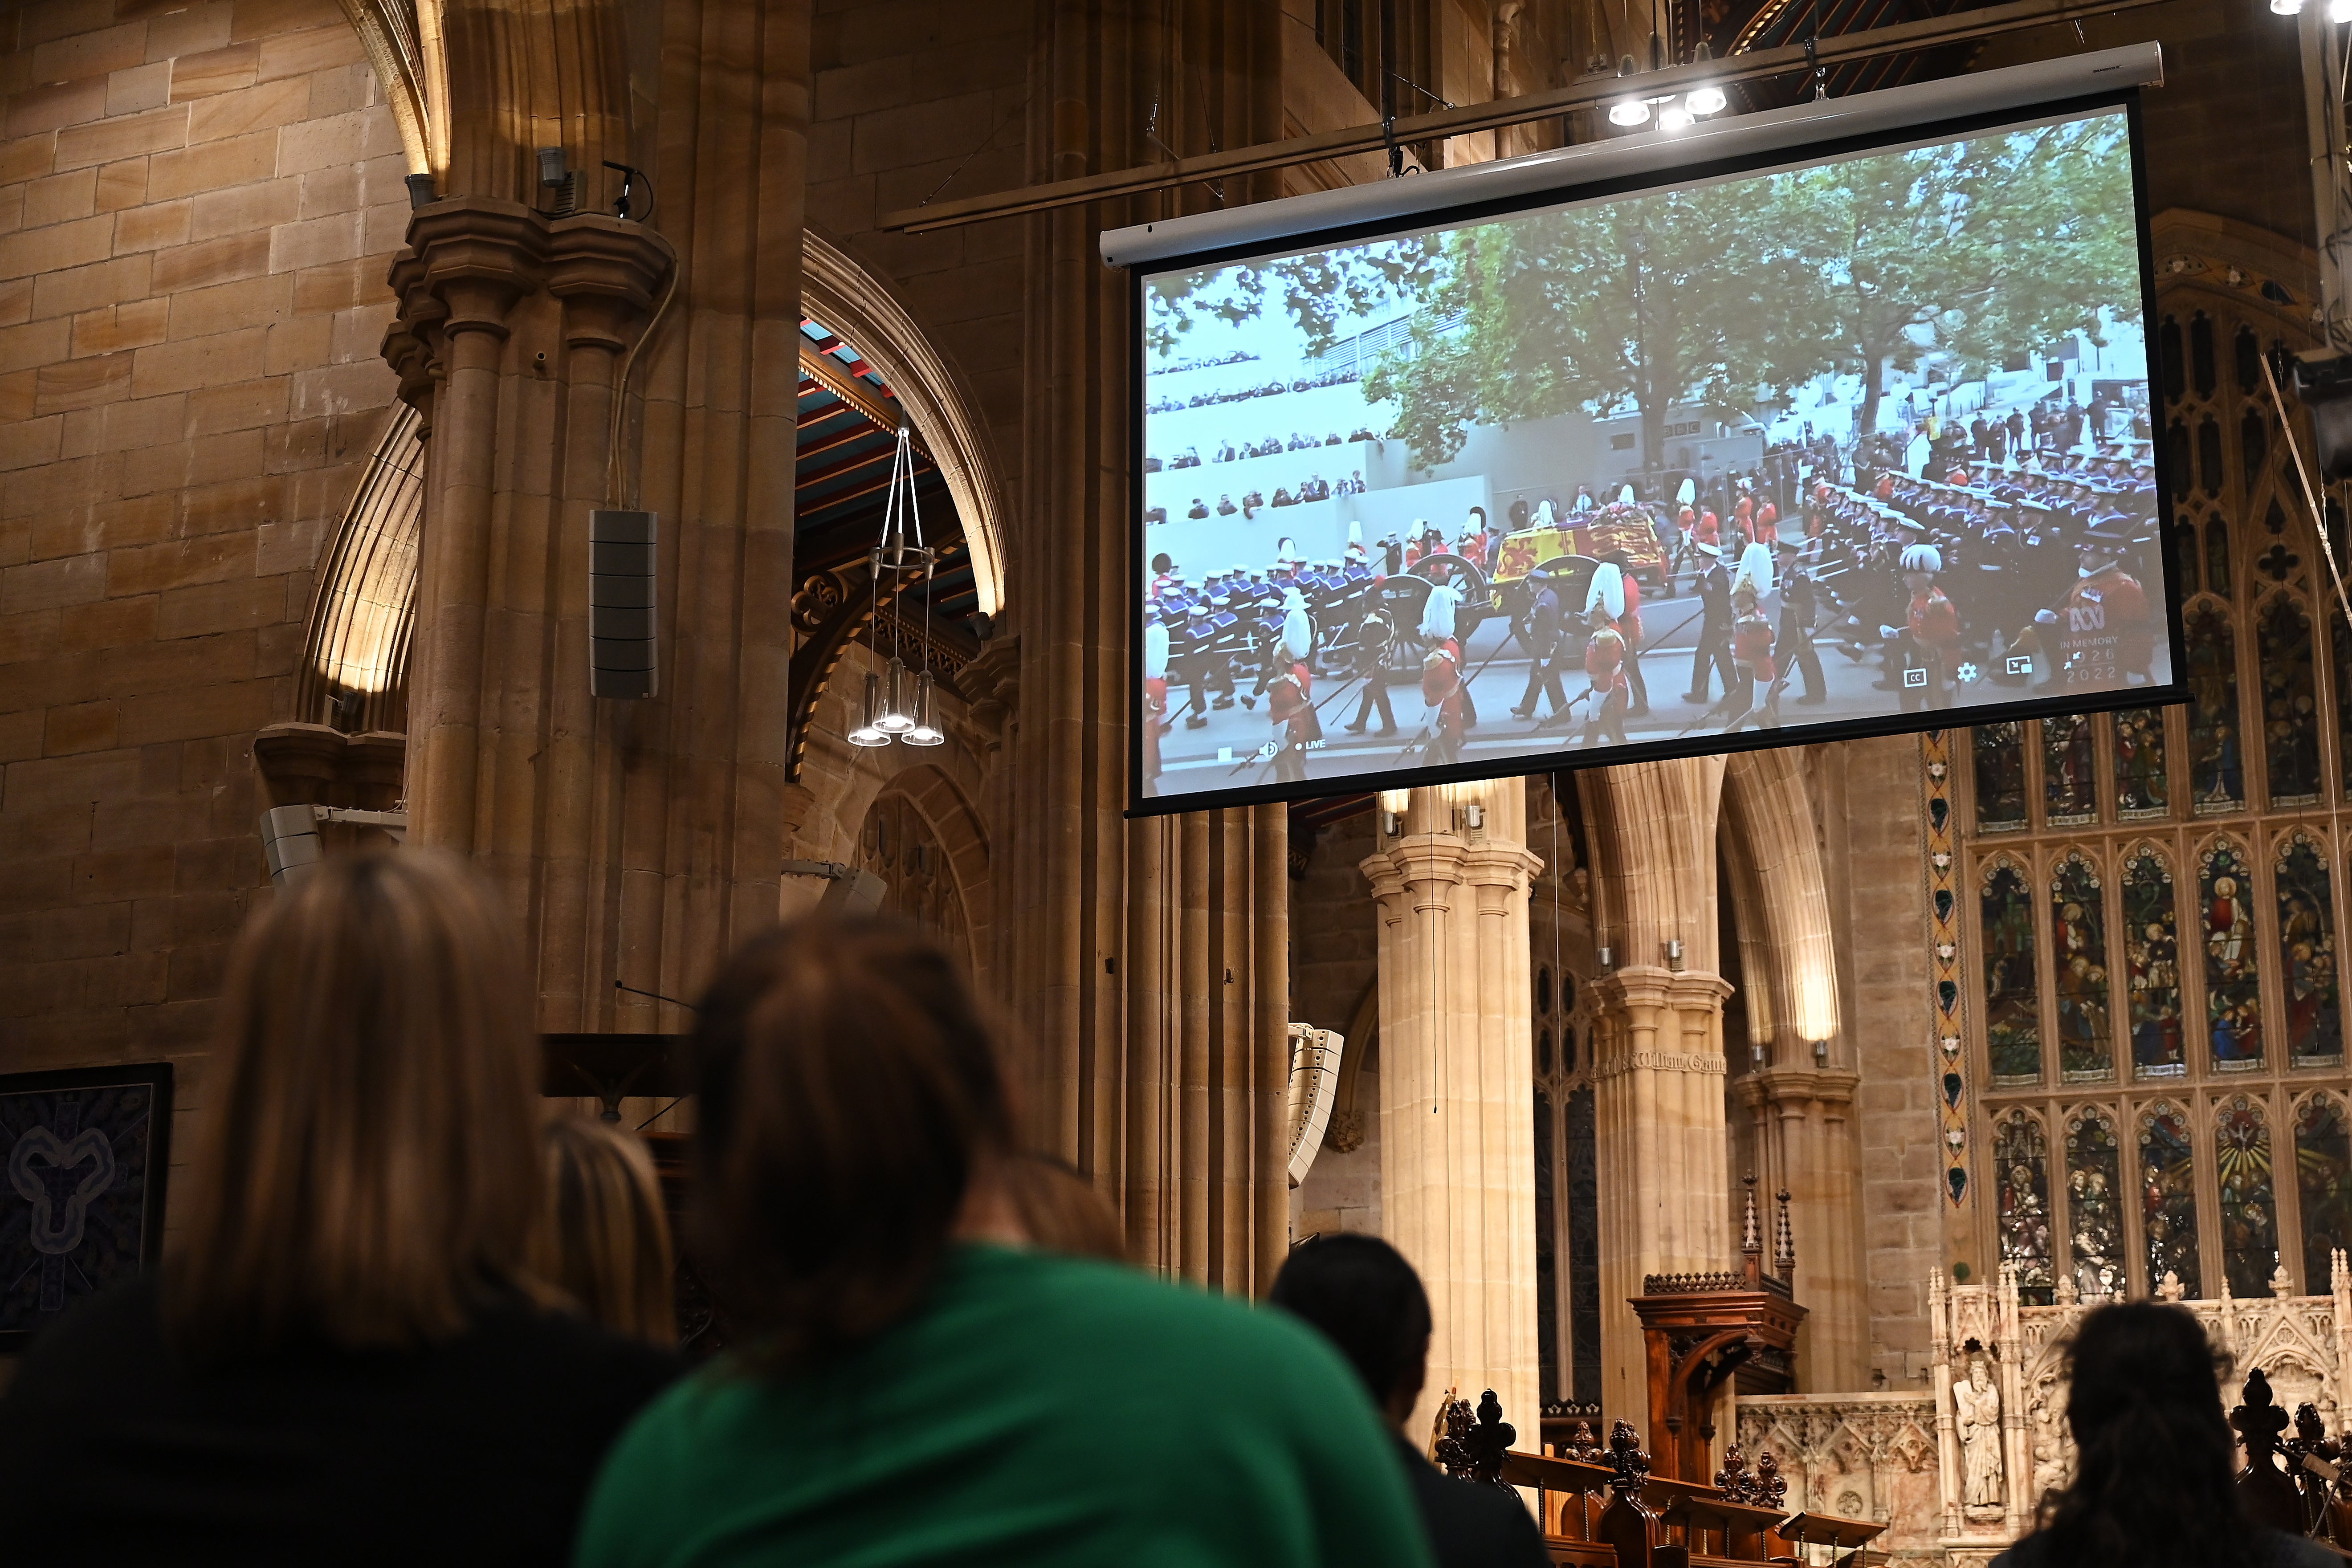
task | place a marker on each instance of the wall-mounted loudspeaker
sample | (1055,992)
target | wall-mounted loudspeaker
(621,604)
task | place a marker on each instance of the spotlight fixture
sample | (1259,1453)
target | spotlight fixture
(868,733)
(1706,97)
(2339,10)
(926,730)
(1632,112)
(1393,806)
(2287,8)
(1821,1053)
(1673,117)
(895,719)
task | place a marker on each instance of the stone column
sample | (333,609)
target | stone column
(1657,1048)
(1147,960)
(1457,1095)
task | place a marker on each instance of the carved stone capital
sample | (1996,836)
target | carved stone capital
(1640,986)
(608,272)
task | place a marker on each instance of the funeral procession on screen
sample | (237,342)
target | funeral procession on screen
(1864,438)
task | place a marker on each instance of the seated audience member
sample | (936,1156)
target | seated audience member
(603,1239)
(911,1383)
(1060,1211)
(344,1358)
(2155,1463)
(1365,1298)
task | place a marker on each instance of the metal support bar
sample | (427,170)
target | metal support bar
(1967,26)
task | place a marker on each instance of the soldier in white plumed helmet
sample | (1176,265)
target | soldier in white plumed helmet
(1155,699)
(1442,686)
(1756,699)
(1290,695)
(1922,653)
(1605,657)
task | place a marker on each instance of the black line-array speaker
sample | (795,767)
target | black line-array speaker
(621,589)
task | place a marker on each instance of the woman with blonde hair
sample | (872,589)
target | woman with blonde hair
(913,1382)
(605,1240)
(345,1358)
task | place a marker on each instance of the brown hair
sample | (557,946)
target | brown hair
(604,1238)
(368,1165)
(849,1087)
(1060,1209)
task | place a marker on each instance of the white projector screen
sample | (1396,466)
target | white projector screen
(1854,442)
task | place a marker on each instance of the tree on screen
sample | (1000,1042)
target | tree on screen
(1985,247)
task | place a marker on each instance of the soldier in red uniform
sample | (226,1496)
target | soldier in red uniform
(2106,634)
(1155,698)
(1922,652)
(1604,657)
(1630,625)
(1290,695)
(1757,700)
(1441,678)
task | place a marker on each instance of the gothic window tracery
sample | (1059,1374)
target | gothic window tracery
(2094,1186)
(2167,1163)
(2021,1151)
(2215,845)
(2233,1011)
(2012,1017)
(2078,935)
(2322,1173)
(2241,1160)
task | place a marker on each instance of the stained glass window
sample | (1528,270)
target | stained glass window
(2185,547)
(2306,928)
(2216,764)
(2012,1015)
(2242,1153)
(2290,702)
(2142,790)
(2168,1197)
(2322,1175)
(2070,786)
(2001,776)
(2022,1152)
(2216,555)
(2233,1020)
(2094,1218)
(2078,942)
(2152,949)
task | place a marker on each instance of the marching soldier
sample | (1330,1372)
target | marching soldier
(1929,638)
(1290,703)
(1799,603)
(1604,657)
(1442,685)
(1206,668)
(1374,637)
(1543,639)
(1155,701)
(1630,625)
(1713,654)
(2105,636)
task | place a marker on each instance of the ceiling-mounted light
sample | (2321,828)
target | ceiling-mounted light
(926,730)
(2287,8)
(1673,117)
(2339,10)
(1706,97)
(868,733)
(1628,112)
(895,719)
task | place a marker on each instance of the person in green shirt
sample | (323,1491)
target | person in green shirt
(915,1383)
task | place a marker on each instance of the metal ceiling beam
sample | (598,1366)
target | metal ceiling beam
(1967,26)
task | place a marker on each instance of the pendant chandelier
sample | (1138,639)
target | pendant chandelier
(897,704)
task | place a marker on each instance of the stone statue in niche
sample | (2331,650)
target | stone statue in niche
(1977,1404)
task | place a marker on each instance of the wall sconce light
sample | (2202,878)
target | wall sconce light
(1393,805)
(1821,1053)
(1675,953)
(1755,1054)
(1477,816)
(1606,959)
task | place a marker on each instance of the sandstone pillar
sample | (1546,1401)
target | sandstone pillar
(1457,1096)
(638,840)
(1146,962)
(1657,1047)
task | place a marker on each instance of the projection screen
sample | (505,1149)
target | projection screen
(1829,441)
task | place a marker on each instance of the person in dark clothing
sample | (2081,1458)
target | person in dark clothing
(1800,607)
(1373,639)
(1713,654)
(1543,648)
(1365,1298)
(2153,1472)
(344,1358)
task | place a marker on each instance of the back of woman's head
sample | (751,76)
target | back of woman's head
(604,1238)
(849,1088)
(2154,1468)
(368,1170)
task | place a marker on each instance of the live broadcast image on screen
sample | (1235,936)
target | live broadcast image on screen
(1865,438)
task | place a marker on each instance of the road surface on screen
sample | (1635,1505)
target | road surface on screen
(1863,438)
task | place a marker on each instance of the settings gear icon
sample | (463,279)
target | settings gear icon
(1969,674)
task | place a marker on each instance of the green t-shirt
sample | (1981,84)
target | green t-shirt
(1038,1410)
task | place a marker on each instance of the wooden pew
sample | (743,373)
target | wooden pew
(1805,1535)
(1573,1532)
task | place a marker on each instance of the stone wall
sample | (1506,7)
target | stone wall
(1867,795)
(196,206)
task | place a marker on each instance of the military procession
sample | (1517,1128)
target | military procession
(1960,562)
